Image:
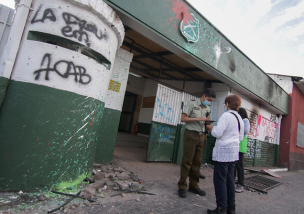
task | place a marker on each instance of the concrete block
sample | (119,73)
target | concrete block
(109,183)
(118,170)
(99,175)
(89,190)
(98,184)
(123,176)
(110,176)
(122,185)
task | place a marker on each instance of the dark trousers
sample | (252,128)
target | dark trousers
(194,145)
(223,179)
(239,169)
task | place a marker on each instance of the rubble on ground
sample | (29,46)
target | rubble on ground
(107,184)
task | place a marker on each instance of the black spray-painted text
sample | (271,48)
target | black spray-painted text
(64,69)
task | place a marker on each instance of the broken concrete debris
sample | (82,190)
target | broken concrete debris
(97,189)
(99,175)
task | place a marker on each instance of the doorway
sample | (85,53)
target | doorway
(127,113)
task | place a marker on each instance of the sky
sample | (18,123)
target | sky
(269,32)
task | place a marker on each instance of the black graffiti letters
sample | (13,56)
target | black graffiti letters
(64,69)
(47,14)
(82,32)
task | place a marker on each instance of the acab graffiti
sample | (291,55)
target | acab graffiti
(62,68)
(75,27)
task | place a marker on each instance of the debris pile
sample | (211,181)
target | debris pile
(104,186)
(106,182)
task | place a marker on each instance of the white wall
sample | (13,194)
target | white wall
(120,74)
(284,81)
(146,114)
(265,124)
(62,68)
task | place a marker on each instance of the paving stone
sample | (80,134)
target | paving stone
(99,175)
(110,183)
(118,170)
(98,184)
(123,176)
(89,190)
(110,176)
(122,185)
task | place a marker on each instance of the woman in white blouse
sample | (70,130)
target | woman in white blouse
(228,133)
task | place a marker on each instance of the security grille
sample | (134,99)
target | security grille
(260,183)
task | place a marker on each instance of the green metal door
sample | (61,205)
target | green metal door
(161,142)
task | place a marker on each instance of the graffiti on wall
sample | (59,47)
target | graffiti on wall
(250,149)
(266,130)
(254,149)
(62,68)
(75,27)
(161,133)
(162,109)
(262,128)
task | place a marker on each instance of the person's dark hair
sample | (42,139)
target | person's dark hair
(234,102)
(208,92)
(243,113)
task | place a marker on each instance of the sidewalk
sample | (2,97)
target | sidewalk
(161,179)
(286,198)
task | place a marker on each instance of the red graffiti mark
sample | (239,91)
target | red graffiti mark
(175,26)
(7,154)
(43,180)
(36,140)
(91,121)
(27,100)
(44,153)
(181,11)
(48,145)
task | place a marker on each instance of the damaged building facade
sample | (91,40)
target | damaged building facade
(75,73)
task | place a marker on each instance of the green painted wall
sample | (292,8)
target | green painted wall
(178,146)
(3,84)
(261,154)
(161,142)
(47,136)
(164,17)
(109,128)
(258,153)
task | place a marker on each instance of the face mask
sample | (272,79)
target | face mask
(225,109)
(206,103)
